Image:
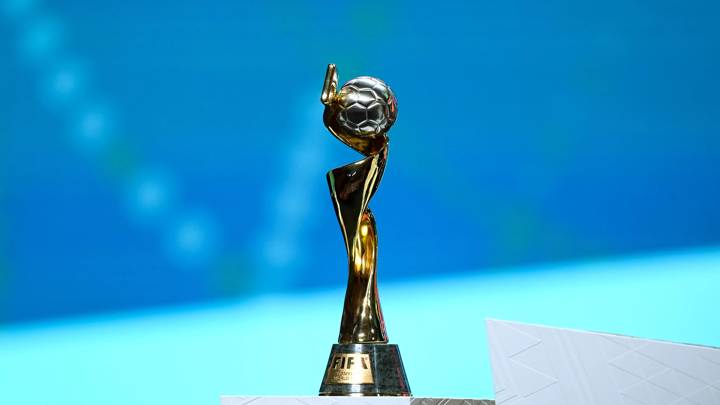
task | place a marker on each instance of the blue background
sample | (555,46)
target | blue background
(159,155)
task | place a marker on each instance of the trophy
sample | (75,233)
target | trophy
(362,362)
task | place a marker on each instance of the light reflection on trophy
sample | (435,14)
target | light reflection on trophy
(363,362)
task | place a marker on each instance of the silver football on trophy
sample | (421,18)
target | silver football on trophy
(365,106)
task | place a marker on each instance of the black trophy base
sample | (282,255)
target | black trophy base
(365,369)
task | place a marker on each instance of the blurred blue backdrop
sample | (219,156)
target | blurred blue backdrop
(162,153)
(165,152)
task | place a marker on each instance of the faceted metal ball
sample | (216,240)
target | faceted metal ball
(364,106)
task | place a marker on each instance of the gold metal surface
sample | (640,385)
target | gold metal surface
(359,115)
(349,368)
(330,85)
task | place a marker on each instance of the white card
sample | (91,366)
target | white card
(541,365)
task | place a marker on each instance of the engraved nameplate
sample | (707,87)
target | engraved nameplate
(350,368)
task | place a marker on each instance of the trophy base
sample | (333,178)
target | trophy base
(365,369)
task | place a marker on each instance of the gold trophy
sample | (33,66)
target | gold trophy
(363,362)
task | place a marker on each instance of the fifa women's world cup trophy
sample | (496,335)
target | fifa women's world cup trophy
(362,363)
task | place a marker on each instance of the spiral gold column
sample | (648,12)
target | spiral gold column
(362,363)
